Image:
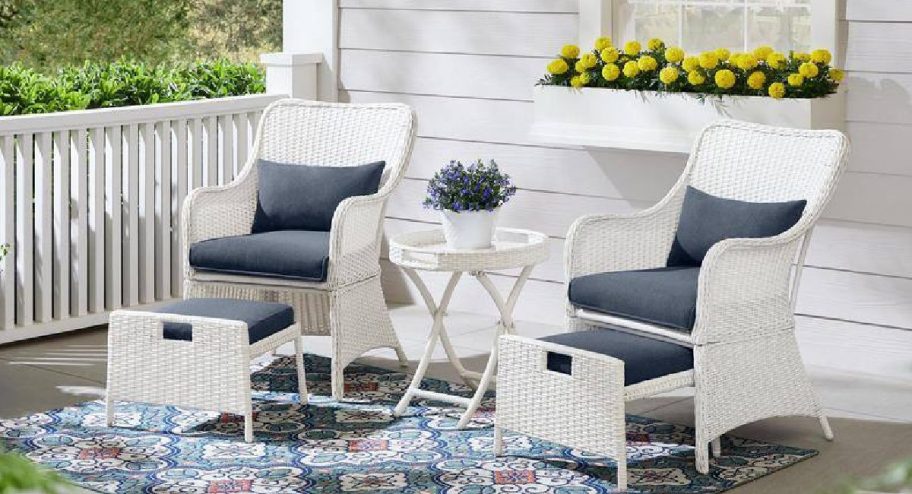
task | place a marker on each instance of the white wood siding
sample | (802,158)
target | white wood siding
(468,67)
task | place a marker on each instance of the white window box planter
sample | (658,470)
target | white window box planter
(652,121)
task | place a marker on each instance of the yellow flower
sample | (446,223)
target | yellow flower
(762,52)
(674,54)
(655,44)
(801,56)
(723,54)
(647,63)
(777,90)
(570,51)
(696,78)
(725,79)
(691,63)
(558,67)
(821,56)
(776,60)
(602,42)
(588,60)
(747,62)
(609,55)
(708,60)
(584,78)
(632,47)
(579,66)
(756,80)
(631,69)
(575,81)
(837,75)
(611,72)
(795,80)
(808,70)
(669,75)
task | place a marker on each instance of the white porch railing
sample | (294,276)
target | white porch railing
(91,205)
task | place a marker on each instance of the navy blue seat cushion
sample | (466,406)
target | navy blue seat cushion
(289,254)
(303,197)
(644,358)
(706,219)
(663,296)
(263,318)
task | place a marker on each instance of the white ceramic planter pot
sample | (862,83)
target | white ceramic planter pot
(469,229)
(664,122)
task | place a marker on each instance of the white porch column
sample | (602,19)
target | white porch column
(292,74)
(312,27)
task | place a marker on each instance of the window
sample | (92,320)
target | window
(698,25)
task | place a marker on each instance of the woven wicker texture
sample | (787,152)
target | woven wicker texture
(747,365)
(211,372)
(321,134)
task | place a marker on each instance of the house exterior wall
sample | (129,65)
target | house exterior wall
(468,68)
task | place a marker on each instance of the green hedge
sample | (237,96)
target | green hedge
(123,83)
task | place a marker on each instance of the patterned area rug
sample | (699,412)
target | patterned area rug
(358,446)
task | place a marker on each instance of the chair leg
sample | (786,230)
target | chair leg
(825,425)
(716,446)
(400,354)
(498,440)
(622,474)
(337,381)
(302,375)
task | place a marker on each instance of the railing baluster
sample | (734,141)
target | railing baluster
(211,150)
(146,213)
(44,242)
(130,219)
(62,236)
(226,132)
(113,218)
(7,233)
(25,232)
(180,193)
(240,123)
(79,195)
(163,211)
(196,153)
(96,220)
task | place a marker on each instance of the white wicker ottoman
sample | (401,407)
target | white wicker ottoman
(196,353)
(571,388)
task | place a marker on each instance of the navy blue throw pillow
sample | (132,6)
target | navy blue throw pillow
(303,197)
(707,219)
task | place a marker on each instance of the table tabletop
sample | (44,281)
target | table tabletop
(427,250)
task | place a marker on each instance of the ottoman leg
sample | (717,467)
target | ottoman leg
(498,440)
(302,376)
(248,426)
(716,447)
(109,411)
(622,474)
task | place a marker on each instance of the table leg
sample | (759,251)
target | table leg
(504,326)
(444,336)
(436,330)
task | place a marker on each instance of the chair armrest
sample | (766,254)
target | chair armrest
(354,238)
(618,242)
(744,288)
(216,212)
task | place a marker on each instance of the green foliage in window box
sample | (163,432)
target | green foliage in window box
(123,83)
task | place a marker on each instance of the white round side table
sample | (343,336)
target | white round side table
(427,251)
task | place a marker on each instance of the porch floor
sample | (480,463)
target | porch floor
(871,417)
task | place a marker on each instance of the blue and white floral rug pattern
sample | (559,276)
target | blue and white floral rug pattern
(358,446)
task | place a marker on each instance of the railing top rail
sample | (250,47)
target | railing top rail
(102,117)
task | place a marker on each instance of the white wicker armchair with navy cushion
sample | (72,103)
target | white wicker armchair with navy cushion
(710,267)
(302,222)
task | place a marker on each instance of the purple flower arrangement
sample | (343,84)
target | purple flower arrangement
(477,187)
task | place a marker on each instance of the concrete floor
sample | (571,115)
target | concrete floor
(872,418)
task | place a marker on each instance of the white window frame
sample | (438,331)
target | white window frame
(596,19)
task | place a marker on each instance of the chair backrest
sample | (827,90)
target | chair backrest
(759,163)
(336,134)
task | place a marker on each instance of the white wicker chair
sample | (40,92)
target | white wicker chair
(746,361)
(349,304)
